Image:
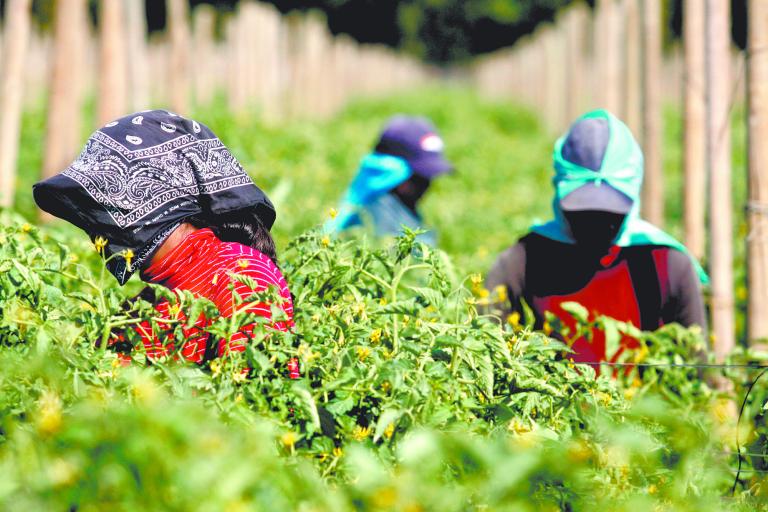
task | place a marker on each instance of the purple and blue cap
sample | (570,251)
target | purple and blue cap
(586,145)
(415,140)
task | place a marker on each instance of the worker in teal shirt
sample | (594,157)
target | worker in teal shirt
(391,180)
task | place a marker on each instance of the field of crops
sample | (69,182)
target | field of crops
(409,398)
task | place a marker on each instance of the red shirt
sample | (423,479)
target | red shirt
(204,265)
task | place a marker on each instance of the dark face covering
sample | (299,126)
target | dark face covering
(594,231)
(412,190)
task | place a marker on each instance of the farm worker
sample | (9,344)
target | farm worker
(392,179)
(597,251)
(161,194)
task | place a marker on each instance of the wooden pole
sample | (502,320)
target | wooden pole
(653,189)
(718,68)
(575,63)
(608,45)
(178,26)
(62,136)
(204,25)
(633,109)
(113,90)
(757,241)
(694,131)
(138,66)
(16,34)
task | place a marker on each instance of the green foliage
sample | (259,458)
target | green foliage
(409,397)
(408,400)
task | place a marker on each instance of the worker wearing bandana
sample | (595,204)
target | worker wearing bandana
(160,194)
(597,251)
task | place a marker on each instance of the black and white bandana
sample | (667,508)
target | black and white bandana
(139,177)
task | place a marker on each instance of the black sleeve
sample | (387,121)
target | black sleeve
(509,271)
(685,304)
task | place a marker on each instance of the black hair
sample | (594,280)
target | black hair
(241,226)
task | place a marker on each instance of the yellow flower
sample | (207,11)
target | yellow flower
(326,241)
(641,354)
(239,398)
(476,279)
(358,308)
(483,293)
(518,427)
(26,228)
(289,439)
(100,243)
(604,398)
(501,292)
(375,336)
(382,301)
(239,376)
(333,213)
(652,489)
(128,255)
(361,433)
(144,391)
(338,452)
(579,451)
(570,363)
(73,258)
(470,301)
(49,420)
(306,353)
(389,431)
(386,386)
(384,498)
(242,264)
(513,319)
(215,367)
(363,353)
(547,328)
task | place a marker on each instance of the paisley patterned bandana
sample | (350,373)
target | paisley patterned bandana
(139,177)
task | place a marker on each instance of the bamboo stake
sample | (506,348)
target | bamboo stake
(138,67)
(609,57)
(113,67)
(204,25)
(178,27)
(718,81)
(62,136)
(16,35)
(694,132)
(575,62)
(757,241)
(653,189)
(633,109)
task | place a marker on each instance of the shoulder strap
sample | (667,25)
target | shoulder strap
(645,280)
